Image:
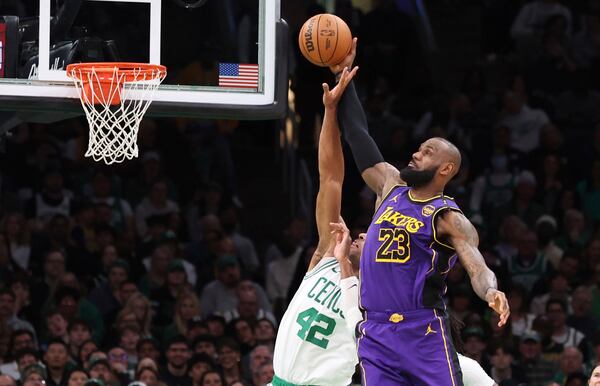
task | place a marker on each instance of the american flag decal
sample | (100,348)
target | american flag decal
(238,75)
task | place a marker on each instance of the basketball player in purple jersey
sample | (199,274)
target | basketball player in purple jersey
(415,237)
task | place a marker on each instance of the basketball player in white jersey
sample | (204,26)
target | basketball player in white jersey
(314,345)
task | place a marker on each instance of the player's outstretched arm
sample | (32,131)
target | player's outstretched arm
(331,168)
(379,175)
(462,236)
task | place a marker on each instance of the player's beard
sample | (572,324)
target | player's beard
(417,178)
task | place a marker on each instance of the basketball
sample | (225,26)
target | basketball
(325,40)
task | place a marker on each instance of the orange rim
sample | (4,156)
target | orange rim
(105,70)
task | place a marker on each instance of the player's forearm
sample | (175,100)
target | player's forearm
(482,281)
(331,159)
(349,301)
(356,130)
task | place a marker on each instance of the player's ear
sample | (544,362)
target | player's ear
(447,169)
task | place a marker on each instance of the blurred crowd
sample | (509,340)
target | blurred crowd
(144,272)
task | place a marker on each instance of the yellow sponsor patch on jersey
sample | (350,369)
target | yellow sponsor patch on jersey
(428,210)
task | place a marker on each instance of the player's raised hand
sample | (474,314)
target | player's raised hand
(342,241)
(332,97)
(348,60)
(497,301)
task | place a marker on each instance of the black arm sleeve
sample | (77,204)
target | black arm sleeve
(353,121)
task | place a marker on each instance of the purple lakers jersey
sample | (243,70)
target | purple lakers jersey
(403,264)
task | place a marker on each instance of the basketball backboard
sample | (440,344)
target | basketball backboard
(203,43)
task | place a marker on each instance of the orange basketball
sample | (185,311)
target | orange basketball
(325,40)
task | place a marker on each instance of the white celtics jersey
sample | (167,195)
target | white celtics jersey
(315,346)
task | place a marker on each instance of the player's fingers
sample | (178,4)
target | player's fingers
(352,73)
(353,49)
(325,87)
(503,319)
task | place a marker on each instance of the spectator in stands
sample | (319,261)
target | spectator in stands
(528,27)
(18,235)
(166,296)
(198,365)
(119,363)
(52,200)
(129,336)
(571,362)
(537,370)
(248,305)
(521,319)
(503,367)
(545,228)
(244,247)
(205,344)
(528,265)
(524,123)
(35,375)
(258,357)
(220,295)
(149,376)
(575,233)
(155,203)
(263,375)
(77,377)
(122,218)
(581,319)
(196,327)
(176,371)
(157,270)
(230,359)
(148,347)
(56,359)
(556,309)
(20,340)
(105,296)
(558,289)
(87,348)
(185,309)
(265,332)
(212,378)
(78,332)
(100,369)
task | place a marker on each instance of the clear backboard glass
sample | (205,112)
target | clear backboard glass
(222,53)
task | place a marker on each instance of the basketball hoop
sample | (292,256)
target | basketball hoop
(115,97)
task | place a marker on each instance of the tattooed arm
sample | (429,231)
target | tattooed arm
(462,236)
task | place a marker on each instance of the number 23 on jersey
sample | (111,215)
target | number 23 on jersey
(394,247)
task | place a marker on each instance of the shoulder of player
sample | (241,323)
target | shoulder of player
(452,223)
(392,176)
(322,266)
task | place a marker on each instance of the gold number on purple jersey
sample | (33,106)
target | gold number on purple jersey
(395,246)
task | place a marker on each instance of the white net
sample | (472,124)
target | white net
(115,102)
